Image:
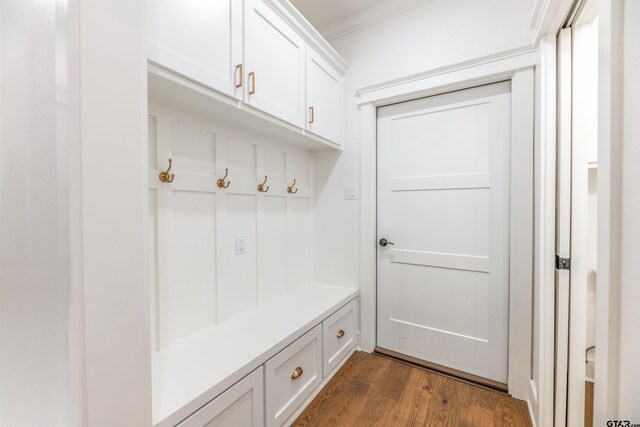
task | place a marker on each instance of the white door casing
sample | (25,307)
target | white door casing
(443,199)
(563,223)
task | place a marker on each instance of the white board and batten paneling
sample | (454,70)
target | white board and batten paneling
(261,54)
(217,252)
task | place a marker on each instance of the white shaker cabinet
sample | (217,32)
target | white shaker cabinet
(324,98)
(274,63)
(201,40)
(240,406)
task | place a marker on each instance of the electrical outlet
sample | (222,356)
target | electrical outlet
(351,192)
(241,244)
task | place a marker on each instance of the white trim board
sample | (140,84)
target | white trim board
(518,67)
(476,71)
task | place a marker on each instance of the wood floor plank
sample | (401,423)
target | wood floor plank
(588,404)
(345,396)
(395,380)
(371,390)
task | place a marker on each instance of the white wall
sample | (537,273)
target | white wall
(34,258)
(438,33)
(629,382)
(112,153)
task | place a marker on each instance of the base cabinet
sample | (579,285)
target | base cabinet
(240,406)
(275,393)
(292,375)
(339,336)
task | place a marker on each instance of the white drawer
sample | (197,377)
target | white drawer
(239,406)
(292,375)
(338,336)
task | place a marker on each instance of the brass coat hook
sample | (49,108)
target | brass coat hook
(165,176)
(261,187)
(290,189)
(221,182)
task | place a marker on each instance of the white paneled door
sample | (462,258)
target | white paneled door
(443,230)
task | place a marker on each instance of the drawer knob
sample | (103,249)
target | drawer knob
(297,373)
(340,333)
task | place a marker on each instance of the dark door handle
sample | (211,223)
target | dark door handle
(385,242)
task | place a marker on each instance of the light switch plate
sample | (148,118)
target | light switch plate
(351,192)
(241,244)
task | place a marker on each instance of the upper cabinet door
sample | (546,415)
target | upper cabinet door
(275,61)
(324,98)
(200,39)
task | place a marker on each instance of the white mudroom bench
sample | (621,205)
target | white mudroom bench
(259,368)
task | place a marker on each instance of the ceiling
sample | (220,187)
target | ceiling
(321,13)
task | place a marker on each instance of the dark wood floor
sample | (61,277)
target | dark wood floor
(372,390)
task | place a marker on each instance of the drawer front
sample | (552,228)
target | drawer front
(292,375)
(338,336)
(240,406)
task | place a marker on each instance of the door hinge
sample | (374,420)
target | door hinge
(563,263)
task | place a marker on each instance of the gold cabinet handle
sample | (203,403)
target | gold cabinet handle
(297,373)
(165,176)
(262,187)
(239,68)
(252,77)
(221,181)
(311,115)
(290,189)
(340,333)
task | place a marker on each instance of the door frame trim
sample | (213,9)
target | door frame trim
(516,66)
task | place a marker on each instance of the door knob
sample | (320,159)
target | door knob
(385,242)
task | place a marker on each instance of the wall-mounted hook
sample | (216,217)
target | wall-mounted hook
(290,189)
(166,176)
(261,187)
(221,182)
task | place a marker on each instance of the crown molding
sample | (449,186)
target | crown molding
(369,17)
(294,18)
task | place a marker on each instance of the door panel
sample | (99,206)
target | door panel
(443,200)
(201,40)
(323,97)
(275,64)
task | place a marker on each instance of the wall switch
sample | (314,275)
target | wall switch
(351,192)
(241,244)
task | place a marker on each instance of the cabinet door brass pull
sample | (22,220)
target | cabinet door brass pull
(221,181)
(165,176)
(297,373)
(340,333)
(240,74)
(252,76)
(311,115)
(262,187)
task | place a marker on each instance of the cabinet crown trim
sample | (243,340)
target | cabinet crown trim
(294,18)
